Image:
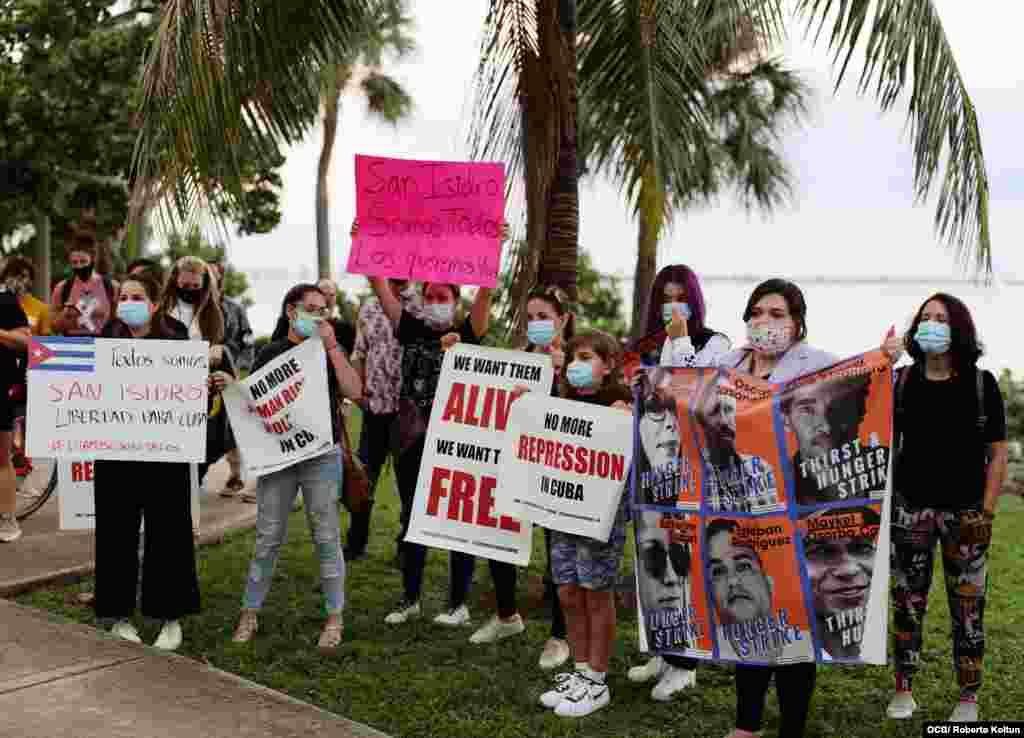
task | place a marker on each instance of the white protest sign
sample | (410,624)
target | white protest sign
(75,501)
(565,464)
(281,414)
(454,503)
(107,398)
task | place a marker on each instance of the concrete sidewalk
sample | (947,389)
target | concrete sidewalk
(62,679)
(44,554)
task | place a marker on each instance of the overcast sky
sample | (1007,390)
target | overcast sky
(854,213)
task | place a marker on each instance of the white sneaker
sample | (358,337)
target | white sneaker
(901,706)
(170,636)
(124,629)
(10,531)
(454,618)
(653,669)
(405,612)
(587,697)
(672,681)
(496,629)
(964,712)
(555,653)
(564,684)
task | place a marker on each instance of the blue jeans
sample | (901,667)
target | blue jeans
(319,479)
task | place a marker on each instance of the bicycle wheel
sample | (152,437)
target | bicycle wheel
(36,478)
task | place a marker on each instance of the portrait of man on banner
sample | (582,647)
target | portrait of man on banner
(733,481)
(664,476)
(839,550)
(666,553)
(833,462)
(752,623)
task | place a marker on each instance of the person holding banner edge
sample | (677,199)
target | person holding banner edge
(170,584)
(675,336)
(303,314)
(935,501)
(424,334)
(777,351)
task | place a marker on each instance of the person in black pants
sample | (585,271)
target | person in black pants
(170,585)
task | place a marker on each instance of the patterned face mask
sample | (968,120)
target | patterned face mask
(770,338)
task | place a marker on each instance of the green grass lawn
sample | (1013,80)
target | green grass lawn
(424,680)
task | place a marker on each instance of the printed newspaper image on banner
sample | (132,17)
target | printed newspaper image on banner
(771,503)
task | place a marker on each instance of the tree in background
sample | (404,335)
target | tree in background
(68,81)
(525,112)
(1013,396)
(637,121)
(194,243)
(386,99)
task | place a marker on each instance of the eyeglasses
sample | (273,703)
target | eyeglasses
(656,559)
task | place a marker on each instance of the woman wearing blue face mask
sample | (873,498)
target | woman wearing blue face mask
(951,461)
(303,314)
(170,587)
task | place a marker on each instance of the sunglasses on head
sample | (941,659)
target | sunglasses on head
(656,559)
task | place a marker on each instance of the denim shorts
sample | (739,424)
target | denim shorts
(585,562)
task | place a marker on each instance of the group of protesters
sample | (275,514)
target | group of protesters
(390,363)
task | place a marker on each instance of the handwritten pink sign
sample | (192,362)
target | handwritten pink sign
(436,221)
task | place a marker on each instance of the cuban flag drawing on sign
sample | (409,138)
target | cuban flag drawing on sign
(62,354)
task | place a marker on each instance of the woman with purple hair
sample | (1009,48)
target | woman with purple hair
(673,329)
(674,335)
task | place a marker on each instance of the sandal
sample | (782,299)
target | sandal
(248,625)
(233,487)
(330,638)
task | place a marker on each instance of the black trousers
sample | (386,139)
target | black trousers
(414,556)
(170,585)
(504,576)
(558,627)
(794,685)
(374,447)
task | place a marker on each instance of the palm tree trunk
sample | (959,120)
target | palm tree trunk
(323,237)
(650,217)
(558,262)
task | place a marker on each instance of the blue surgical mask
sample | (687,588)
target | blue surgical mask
(440,315)
(682,307)
(133,313)
(304,324)
(540,332)
(580,374)
(933,337)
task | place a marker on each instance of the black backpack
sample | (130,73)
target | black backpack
(901,382)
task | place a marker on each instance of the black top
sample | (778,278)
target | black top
(11,317)
(345,334)
(607,396)
(943,457)
(275,348)
(422,357)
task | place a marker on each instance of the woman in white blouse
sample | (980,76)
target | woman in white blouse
(674,335)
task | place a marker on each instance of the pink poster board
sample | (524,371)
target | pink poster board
(436,221)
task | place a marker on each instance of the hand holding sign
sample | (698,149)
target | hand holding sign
(429,220)
(448,340)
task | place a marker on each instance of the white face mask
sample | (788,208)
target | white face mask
(771,338)
(439,315)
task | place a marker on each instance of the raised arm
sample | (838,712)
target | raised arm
(480,314)
(392,305)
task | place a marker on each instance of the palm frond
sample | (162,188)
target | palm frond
(906,38)
(232,78)
(514,119)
